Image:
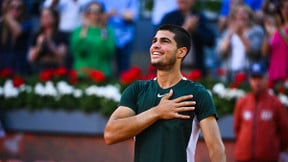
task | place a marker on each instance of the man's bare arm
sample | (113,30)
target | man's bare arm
(213,139)
(124,123)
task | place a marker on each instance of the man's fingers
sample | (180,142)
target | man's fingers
(183,109)
(186,104)
(181,116)
(170,93)
(183,98)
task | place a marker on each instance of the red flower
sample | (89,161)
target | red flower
(281,89)
(131,75)
(220,72)
(240,78)
(46,75)
(270,84)
(186,75)
(233,85)
(195,75)
(135,70)
(97,76)
(152,70)
(17,81)
(61,71)
(72,77)
(149,77)
(5,73)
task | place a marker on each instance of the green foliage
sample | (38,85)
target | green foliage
(224,106)
(210,5)
(97,99)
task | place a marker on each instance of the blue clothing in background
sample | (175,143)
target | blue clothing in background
(254,4)
(124,30)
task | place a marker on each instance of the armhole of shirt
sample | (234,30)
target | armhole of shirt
(191,147)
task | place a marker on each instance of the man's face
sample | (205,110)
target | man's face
(163,49)
(258,84)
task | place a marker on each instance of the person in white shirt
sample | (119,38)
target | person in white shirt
(241,43)
(160,8)
(70,12)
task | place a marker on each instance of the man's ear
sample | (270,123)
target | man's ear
(181,52)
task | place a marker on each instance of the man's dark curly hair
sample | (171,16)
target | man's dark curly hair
(182,37)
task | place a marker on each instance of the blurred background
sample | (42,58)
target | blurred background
(65,63)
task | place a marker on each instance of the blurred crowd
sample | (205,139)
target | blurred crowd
(84,35)
(87,35)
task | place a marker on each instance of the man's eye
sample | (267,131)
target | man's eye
(165,40)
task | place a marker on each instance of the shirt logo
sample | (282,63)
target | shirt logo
(266,115)
(247,115)
(160,96)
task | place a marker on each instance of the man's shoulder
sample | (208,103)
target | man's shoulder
(138,87)
(273,99)
(142,83)
(245,98)
(195,85)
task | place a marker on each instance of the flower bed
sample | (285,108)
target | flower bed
(61,89)
(58,89)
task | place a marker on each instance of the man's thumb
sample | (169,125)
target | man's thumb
(169,94)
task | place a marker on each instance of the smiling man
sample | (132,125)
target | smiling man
(165,114)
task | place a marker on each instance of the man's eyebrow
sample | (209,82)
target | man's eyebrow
(161,38)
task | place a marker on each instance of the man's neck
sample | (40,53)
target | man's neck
(259,94)
(168,79)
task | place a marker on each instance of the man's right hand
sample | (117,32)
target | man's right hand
(170,109)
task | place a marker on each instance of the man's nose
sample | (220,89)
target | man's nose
(156,45)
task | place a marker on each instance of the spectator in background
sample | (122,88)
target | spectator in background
(227,5)
(3,6)
(159,10)
(197,25)
(93,44)
(241,43)
(122,16)
(70,13)
(14,35)
(271,13)
(260,121)
(49,46)
(276,45)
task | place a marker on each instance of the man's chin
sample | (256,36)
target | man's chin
(156,64)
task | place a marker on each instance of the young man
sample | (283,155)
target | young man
(260,121)
(166,114)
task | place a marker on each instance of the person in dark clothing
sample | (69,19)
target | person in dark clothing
(197,25)
(15,30)
(48,48)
